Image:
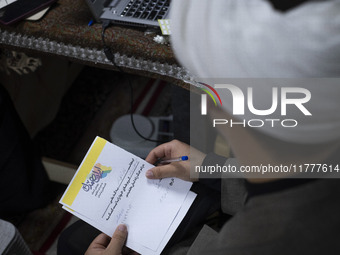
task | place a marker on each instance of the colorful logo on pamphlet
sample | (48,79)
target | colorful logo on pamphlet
(98,172)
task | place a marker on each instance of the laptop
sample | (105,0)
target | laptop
(140,13)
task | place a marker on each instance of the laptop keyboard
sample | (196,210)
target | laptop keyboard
(146,9)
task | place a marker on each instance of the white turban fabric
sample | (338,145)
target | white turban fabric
(250,44)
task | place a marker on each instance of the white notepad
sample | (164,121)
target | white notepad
(110,188)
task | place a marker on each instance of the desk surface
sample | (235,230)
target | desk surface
(64,32)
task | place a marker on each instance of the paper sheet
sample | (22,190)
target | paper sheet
(110,188)
(4,3)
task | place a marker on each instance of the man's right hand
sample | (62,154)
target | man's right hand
(181,169)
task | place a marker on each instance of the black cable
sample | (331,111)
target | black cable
(110,56)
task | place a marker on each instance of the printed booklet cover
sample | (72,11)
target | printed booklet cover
(110,188)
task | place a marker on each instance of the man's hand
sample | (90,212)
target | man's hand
(104,245)
(181,169)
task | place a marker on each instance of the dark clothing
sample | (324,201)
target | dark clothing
(302,219)
(24,183)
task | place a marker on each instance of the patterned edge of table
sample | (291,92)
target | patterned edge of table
(97,57)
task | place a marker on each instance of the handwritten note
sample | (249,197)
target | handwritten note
(110,188)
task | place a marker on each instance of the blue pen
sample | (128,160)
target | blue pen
(183,158)
(90,23)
